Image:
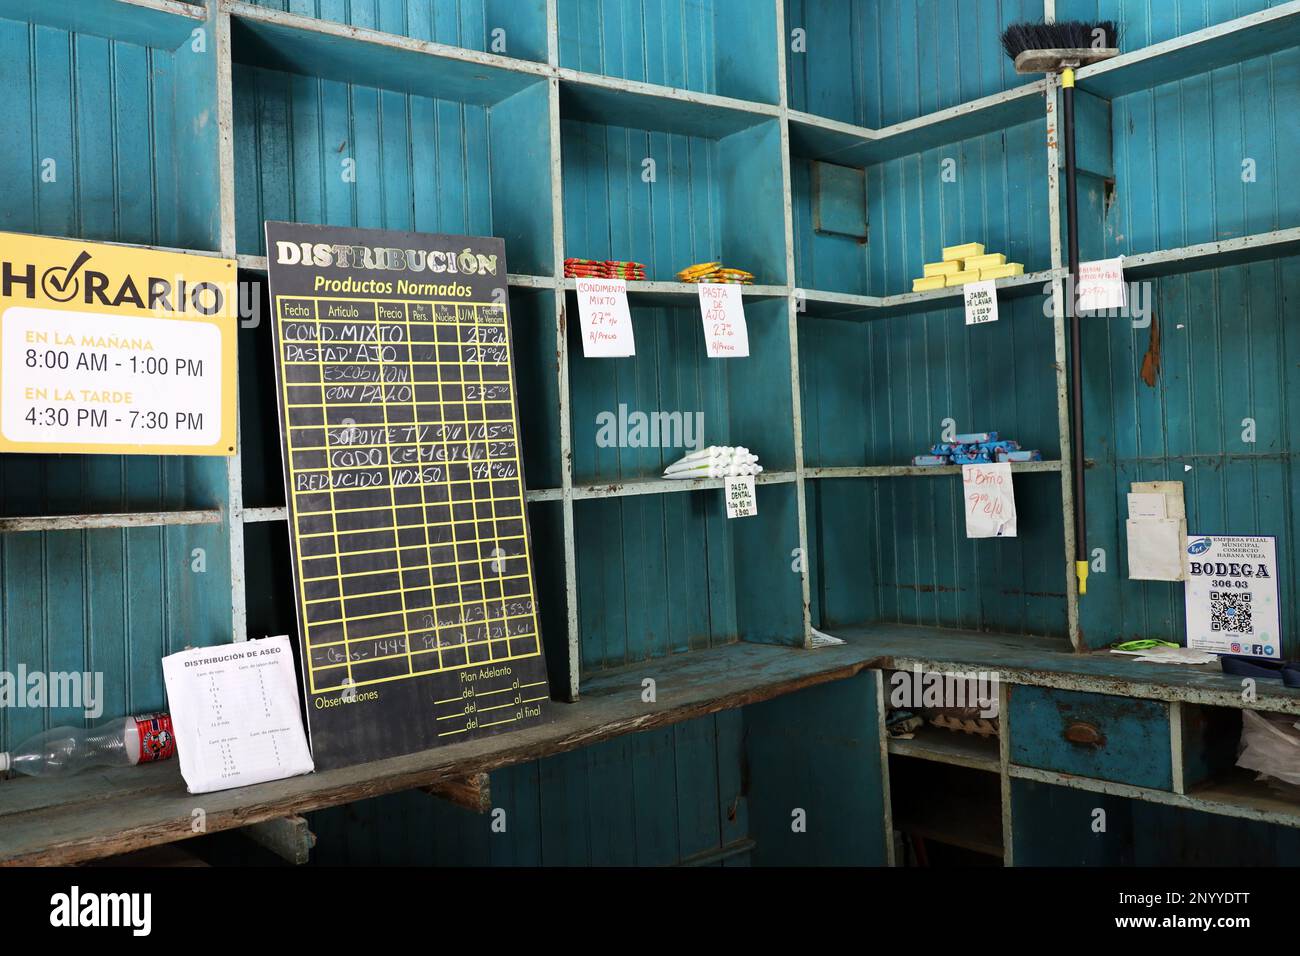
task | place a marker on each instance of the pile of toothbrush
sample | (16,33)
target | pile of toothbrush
(975,449)
(716,461)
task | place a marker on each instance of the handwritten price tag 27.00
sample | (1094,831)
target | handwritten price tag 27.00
(990,500)
(606,320)
(725,333)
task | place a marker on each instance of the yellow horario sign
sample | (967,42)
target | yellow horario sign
(109,349)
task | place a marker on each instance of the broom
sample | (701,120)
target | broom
(1061,48)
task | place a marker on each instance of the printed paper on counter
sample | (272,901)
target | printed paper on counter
(981,302)
(606,319)
(989,499)
(741,500)
(723,311)
(235,712)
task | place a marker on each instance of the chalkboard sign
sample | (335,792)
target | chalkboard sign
(417,615)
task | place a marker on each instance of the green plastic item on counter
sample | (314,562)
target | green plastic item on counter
(1143,645)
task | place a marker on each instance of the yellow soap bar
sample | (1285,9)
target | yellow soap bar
(928,283)
(961,278)
(987,261)
(968,251)
(1003,272)
(941,268)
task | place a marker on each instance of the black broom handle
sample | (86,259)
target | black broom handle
(1076,357)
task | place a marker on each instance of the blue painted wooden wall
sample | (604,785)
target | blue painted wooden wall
(655,798)
(132,134)
(1225,350)
(462,23)
(878,62)
(107,141)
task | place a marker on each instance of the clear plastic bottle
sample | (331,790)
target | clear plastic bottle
(121,742)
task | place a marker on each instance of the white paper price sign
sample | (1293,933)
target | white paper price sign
(1101,285)
(606,321)
(990,500)
(981,302)
(725,333)
(741,500)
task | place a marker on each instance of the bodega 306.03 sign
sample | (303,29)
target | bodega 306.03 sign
(115,350)
(1232,595)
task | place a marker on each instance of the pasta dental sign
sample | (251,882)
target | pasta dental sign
(115,350)
(1232,595)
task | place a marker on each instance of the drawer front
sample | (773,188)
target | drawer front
(1121,739)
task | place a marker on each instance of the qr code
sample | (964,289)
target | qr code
(1230,611)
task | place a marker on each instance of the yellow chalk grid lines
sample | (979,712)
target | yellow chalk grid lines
(399,313)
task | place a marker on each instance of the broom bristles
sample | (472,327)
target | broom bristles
(1065,35)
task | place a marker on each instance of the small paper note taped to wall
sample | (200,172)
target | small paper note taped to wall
(1155,548)
(990,500)
(1156,531)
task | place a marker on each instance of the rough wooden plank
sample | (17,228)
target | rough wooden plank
(1235,796)
(139,519)
(289,838)
(117,811)
(817,137)
(154,857)
(161,23)
(626,103)
(473,792)
(125,809)
(350,54)
(919,471)
(1223,44)
(944,746)
(660,486)
(1047,662)
(1213,255)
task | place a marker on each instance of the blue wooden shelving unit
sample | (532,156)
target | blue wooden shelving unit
(185,125)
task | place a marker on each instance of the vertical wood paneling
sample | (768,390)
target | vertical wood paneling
(1145,22)
(878,62)
(611,212)
(462,23)
(1225,355)
(101,111)
(1180,150)
(650,799)
(108,115)
(710,46)
(298,131)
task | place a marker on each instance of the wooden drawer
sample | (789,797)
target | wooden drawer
(1122,739)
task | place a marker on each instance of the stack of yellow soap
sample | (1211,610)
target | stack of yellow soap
(966,263)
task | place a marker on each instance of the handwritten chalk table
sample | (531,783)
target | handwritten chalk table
(408,517)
